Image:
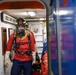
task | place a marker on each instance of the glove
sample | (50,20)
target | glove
(34,57)
(6,59)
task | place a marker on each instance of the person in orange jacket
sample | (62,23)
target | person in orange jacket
(44,60)
(24,50)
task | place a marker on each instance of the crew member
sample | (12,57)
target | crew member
(25,46)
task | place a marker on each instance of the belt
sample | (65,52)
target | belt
(22,53)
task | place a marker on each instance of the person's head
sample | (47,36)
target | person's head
(21,25)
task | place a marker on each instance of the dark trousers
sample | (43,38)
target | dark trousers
(19,67)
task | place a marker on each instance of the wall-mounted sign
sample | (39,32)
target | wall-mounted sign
(7,18)
(36,28)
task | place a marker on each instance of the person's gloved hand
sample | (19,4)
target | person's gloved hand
(34,57)
(6,58)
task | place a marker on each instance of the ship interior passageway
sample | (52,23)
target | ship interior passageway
(34,13)
(53,23)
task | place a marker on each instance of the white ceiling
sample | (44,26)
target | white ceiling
(41,13)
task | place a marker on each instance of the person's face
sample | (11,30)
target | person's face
(21,31)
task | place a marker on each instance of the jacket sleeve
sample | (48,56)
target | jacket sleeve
(9,43)
(32,42)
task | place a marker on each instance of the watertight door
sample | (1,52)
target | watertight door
(64,23)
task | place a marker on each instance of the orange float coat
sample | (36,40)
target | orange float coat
(44,65)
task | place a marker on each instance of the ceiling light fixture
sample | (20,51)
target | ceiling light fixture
(32,13)
(21,13)
(24,13)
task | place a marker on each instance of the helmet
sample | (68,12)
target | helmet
(20,22)
(20,25)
